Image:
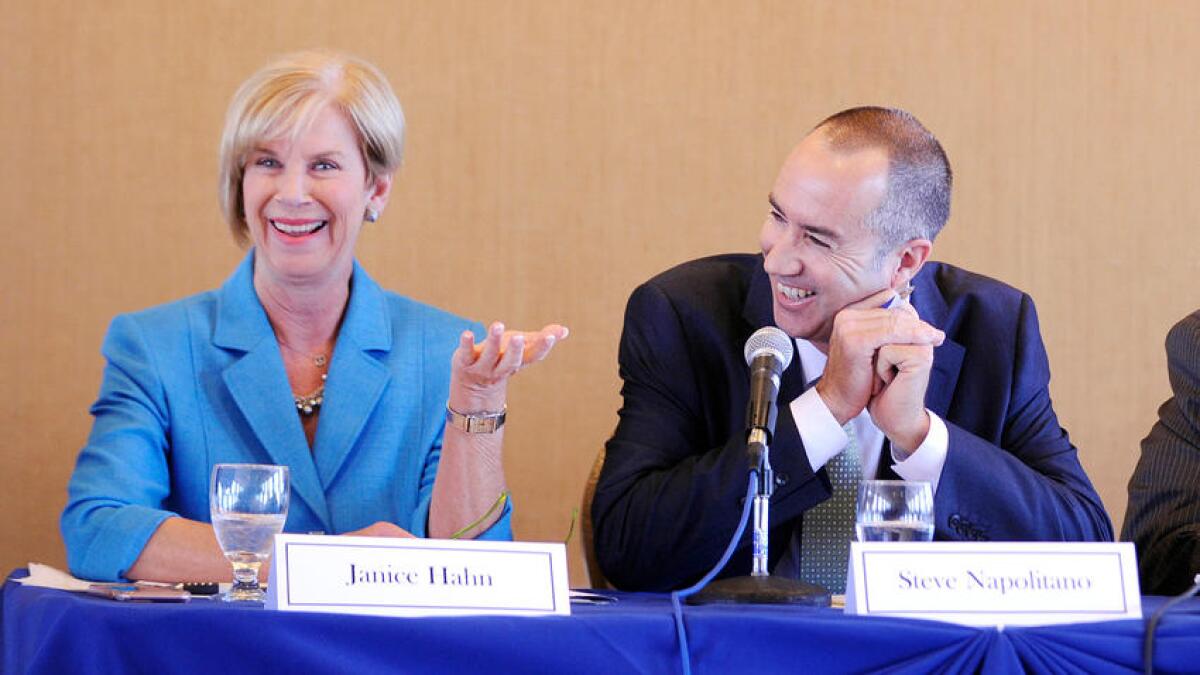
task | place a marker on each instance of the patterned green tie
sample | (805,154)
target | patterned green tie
(829,526)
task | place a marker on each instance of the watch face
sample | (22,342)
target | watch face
(476,424)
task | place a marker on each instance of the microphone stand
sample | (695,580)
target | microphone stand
(760,587)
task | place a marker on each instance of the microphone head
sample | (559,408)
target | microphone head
(770,339)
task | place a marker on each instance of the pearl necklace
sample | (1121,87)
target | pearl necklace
(307,404)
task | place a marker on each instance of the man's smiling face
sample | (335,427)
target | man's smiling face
(816,249)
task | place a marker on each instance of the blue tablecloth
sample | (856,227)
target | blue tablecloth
(48,631)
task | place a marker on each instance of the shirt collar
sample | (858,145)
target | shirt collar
(811,360)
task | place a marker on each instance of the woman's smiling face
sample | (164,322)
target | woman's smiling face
(305,197)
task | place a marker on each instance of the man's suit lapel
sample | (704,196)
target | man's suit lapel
(947,357)
(357,378)
(759,311)
(258,385)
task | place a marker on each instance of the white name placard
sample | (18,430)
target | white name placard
(417,577)
(995,583)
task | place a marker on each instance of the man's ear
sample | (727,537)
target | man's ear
(911,258)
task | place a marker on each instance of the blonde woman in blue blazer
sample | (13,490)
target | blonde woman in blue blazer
(387,412)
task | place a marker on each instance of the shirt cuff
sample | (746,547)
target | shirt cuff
(820,432)
(926,462)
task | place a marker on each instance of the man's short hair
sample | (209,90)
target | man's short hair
(917,203)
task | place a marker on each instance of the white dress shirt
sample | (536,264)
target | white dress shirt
(824,438)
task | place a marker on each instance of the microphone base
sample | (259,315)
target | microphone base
(761,591)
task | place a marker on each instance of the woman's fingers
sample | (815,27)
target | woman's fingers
(541,342)
(538,349)
(512,357)
(465,354)
(490,351)
(502,353)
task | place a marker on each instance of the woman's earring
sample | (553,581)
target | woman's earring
(371,215)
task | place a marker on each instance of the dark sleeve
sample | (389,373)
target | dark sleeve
(1027,483)
(668,498)
(1163,516)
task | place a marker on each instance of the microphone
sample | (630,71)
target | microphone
(768,353)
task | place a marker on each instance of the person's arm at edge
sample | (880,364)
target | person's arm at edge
(1163,516)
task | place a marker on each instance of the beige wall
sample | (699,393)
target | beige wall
(562,152)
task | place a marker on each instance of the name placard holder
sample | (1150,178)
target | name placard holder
(995,583)
(417,577)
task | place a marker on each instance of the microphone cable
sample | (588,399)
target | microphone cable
(680,631)
(1152,625)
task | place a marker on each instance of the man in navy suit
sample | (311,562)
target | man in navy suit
(952,389)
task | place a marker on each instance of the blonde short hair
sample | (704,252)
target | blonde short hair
(285,96)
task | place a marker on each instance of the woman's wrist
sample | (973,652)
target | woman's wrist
(477,400)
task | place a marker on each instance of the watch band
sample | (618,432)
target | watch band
(476,423)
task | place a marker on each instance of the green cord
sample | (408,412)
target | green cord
(571,529)
(499,503)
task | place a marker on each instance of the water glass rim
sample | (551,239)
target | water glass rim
(239,465)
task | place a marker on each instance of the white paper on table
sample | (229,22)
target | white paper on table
(45,576)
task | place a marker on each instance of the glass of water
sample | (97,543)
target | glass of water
(249,504)
(895,510)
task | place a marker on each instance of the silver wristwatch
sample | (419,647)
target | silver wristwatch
(476,423)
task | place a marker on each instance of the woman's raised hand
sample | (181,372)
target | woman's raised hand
(479,371)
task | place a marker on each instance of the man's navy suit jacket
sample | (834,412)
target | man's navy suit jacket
(669,496)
